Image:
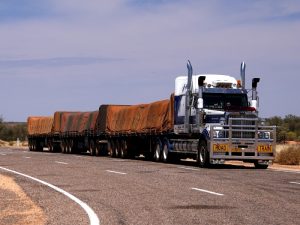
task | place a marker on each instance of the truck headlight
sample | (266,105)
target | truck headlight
(218,134)
(264,135)
(215,134)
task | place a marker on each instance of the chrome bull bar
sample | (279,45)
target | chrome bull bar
(242,139)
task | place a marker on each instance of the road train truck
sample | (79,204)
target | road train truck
(210,118)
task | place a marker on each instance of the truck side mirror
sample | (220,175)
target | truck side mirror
(200,98)
(201,81)
(254,82)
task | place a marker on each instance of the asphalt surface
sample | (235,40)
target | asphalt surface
(142,192)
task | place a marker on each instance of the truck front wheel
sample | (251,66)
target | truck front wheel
(203,155)
(260,165)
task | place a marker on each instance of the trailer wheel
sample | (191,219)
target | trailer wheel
(30,145)
(97,149)
(203,155)
(69,147)
(123,149)
(165,153)
(110,148)
(117,149)
(92,148)
(157,151)
(114,149)
(50,147)
(260,165)
(63,146)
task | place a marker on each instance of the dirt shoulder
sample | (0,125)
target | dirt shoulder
(273,166)
(16,207)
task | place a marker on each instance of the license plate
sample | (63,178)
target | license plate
(220,148)
(264,148)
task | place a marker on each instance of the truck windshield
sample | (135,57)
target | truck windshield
(224,101)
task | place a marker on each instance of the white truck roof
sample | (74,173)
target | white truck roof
(211,81)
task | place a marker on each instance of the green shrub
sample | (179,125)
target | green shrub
(289,156)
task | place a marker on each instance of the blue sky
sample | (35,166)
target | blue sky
(77,55)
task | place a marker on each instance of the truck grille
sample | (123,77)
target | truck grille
(243,126)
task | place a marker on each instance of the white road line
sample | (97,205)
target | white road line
(111,171)
(294,183)
(27,157)
(94,220)
(2,154)
(210,192)
(62,162)
(187,168)
(286,171)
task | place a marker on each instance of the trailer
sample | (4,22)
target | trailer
(39,130)
(74,132)
(210,118)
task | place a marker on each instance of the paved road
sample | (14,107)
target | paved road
(142,192)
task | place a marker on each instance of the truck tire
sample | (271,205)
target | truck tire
(165,153)
(70,146)
(117,148)
(203,155)
(97,149)
(123,149)
(101,149)
(157,151)
(50,147)
(67,146)
(114,148)
(260,166)
(30,145)
(63,146)
(92,148)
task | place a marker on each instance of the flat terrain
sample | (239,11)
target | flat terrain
(142,192)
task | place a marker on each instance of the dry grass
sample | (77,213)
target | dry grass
(16,207)
(13,144)
(3,143)
(289,155)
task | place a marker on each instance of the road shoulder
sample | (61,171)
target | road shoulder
(16,207)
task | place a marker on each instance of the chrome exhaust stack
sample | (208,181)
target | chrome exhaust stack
(188,95)
(243,74)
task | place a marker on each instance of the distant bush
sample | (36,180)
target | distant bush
(289,156)
(288,128)
(12,131)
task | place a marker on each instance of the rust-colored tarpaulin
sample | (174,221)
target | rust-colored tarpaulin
(74,122)
(143,118)
(62,121)
(39,125)
(87,121)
